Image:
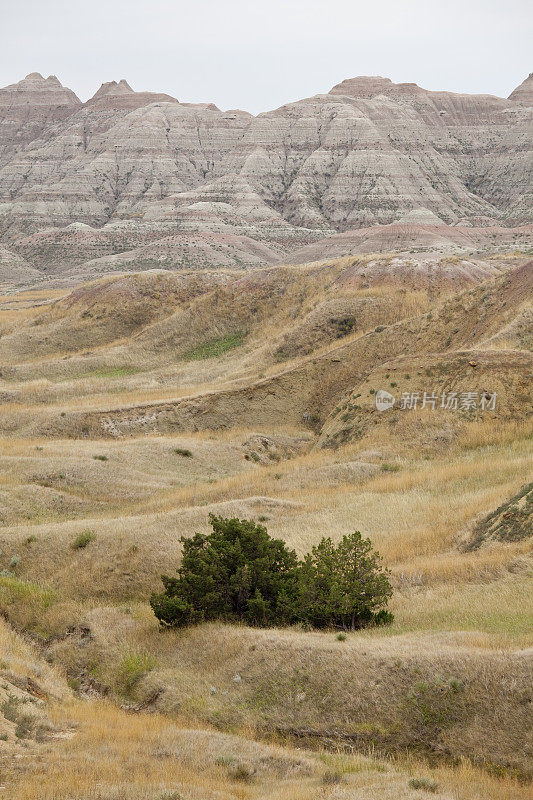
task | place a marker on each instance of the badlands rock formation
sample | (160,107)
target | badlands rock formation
(28,107)
(414,237)
(146,167)
(524,92)
(121,96)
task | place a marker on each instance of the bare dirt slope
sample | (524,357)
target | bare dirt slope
(309,388)
(413,237)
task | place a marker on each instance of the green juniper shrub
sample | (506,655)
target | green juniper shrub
(383,617)
(343,586)
(344,326)
(237,572)
(240,573)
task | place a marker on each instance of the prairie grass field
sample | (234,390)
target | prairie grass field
(127,437)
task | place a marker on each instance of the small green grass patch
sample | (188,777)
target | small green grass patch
(105,372)
(82,540)
(182,451)
(214,348)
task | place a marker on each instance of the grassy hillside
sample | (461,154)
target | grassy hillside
(136,405)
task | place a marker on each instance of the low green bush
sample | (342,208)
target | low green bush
(132,669)
(181,451)
(83,539)
(239,573)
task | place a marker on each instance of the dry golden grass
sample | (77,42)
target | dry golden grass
(416,517)
(18,306)
(112,755)
(95,396)
(20,659)
(498,612)
(293,680)
(94,749)
(108,754)
(466,616)
(426,504)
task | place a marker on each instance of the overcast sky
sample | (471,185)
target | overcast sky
(258,56)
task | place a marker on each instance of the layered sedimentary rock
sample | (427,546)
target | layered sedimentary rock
(370,152)
(28,107)
(190,251)
(415,237)
(524,93)
(14,268)
(102,162)
(121,96)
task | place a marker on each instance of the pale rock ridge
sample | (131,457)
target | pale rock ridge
(112,87)
(121,96)
(14,268)
(30,105)
(34,90)
(412,237)
(370,152)
(368,86)
(524,93)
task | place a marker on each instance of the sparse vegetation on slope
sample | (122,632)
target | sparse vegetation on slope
(111,455)
(510,522)
(214,347)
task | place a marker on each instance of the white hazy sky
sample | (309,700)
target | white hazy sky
(258,56)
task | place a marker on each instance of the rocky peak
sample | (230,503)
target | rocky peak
(121,96)
(27,107)
(524,93)
(381,152)
(368,86)
(38,91)
(365,86)
(113,88)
